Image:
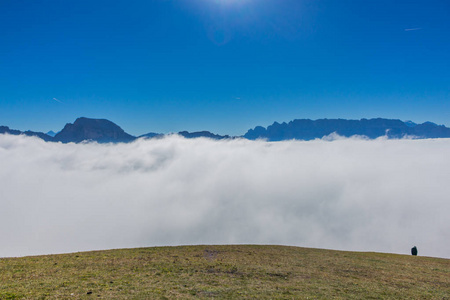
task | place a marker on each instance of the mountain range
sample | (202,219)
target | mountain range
(305,129)
(105,131)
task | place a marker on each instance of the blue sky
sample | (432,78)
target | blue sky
(221,65)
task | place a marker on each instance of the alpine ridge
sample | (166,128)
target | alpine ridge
(306,129)
(105,131)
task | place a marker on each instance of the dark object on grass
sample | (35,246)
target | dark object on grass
(414,250)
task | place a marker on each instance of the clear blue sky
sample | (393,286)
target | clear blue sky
(221,65)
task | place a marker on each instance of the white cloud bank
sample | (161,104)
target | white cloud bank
(349,194)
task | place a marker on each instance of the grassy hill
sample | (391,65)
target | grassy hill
(224,272)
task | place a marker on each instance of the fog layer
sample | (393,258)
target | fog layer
(350,194)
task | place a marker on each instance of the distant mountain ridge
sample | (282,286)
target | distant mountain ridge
(51,133)
(6,129)
(105,131)
(100,131)
(306,129)
(205,134)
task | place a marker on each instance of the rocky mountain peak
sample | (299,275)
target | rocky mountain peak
(99,130)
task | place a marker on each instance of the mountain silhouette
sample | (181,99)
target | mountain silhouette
(151,135)
(105,131)
(6,129)
(99,130)
(306,129)
(51,133)
(206,134)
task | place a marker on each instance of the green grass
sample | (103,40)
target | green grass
(230,272)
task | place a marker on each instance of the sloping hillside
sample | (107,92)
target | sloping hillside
(224,272)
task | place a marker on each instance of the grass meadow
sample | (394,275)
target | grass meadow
(224,272)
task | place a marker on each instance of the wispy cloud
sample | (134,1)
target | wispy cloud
(413,29)
(57,100)
(349,194)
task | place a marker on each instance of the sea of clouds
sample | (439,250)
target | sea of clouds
(348,194)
